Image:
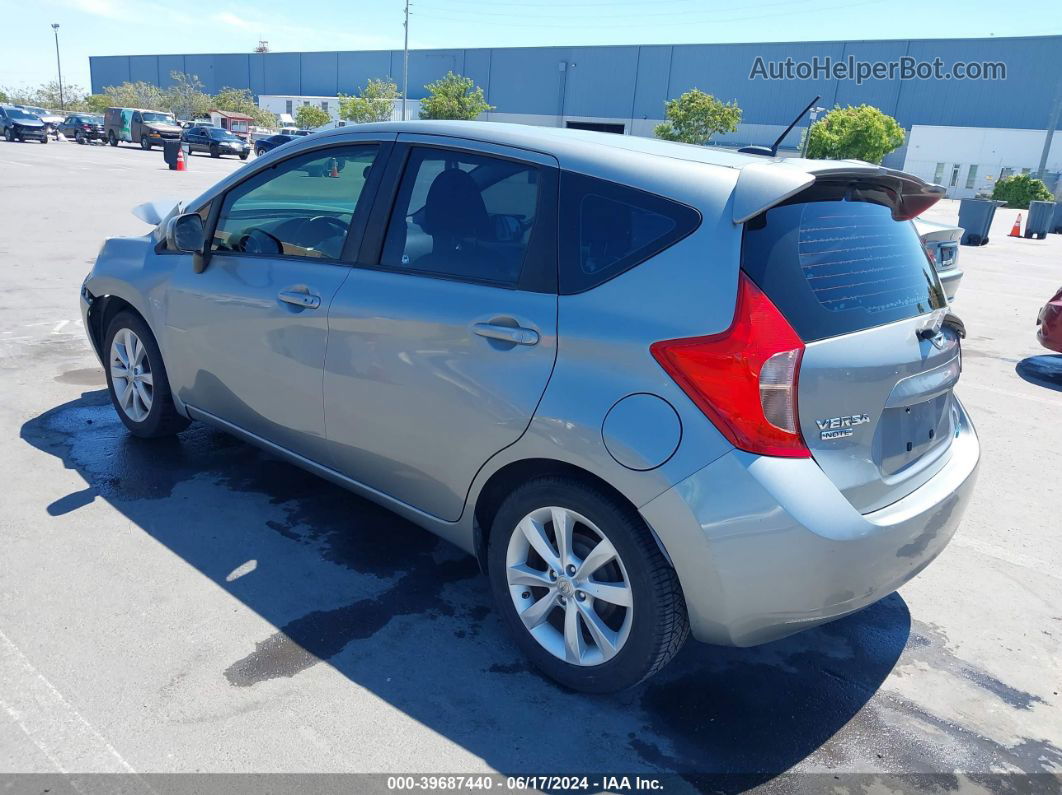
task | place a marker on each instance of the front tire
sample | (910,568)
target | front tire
(112,139)
(583,587)
(214,151)
(136,379)
(44,140)
(9,135)
(145,144)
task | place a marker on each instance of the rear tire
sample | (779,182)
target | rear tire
(9,135)
(80,137)
(629,613)
(142,395)
(214,151)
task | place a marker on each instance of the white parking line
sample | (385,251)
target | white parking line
(50,722)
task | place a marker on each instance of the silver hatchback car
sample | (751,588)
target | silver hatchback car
(654,388)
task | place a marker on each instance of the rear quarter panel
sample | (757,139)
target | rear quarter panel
(604,336)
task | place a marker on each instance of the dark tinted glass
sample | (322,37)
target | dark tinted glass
(835,267)
(463,215)
(608,228)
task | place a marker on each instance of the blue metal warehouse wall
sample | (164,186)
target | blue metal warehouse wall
(632,82)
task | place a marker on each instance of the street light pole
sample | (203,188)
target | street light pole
(405,64)
(58,65)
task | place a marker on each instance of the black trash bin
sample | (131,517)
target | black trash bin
(975,217)
(1040,216)
(170,147)
(1056,220)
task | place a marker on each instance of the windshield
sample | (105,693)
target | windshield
(150,116)
(18,113)
(220,135)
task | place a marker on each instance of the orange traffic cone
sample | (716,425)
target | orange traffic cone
(180,160)
(1015,231)
(335,168)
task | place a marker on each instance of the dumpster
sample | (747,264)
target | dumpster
(170,147)
(975,216)
(1041,215)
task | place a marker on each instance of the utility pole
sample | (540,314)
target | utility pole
(59,65)
(405,65)
(807,133)
(1052,123)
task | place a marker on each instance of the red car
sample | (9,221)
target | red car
(1050,323)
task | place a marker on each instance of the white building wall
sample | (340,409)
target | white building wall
(278,104)
(951,151)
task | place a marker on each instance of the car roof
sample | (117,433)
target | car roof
(756,182)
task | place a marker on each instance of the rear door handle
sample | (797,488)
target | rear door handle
(516,335)
(299,298)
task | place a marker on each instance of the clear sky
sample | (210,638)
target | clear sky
(129,27)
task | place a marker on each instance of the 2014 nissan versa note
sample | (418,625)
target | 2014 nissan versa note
(654,388)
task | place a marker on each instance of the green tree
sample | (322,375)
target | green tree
(310,116)
(376,102)
(3,96)
(453,96)
(185,98)
(695,117)
(97,103)
(1017,191)
(240,100)
(859,133)
(136,95)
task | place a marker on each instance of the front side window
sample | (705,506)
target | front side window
(301,207)
(463,215)
(607,228)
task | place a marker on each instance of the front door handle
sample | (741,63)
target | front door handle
(516,335)
(300,299)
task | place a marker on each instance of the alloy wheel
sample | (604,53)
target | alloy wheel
(569,586)
(131,377)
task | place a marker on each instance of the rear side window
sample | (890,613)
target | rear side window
(607,228)
(836,267)
(464,216)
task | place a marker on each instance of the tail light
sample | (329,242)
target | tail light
(744,379)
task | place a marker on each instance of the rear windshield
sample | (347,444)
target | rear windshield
(835,267)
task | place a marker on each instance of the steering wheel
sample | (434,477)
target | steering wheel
(314,230)
(258,241)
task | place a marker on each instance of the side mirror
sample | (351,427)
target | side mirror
(186,233)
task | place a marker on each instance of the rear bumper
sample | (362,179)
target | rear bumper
(949,280)
(766,547)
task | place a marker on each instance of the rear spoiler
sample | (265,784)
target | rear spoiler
(763,185)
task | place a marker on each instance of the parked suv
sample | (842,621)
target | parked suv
(21,125)
(654,388)
(82,127)
(138,126)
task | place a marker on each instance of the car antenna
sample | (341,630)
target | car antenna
(772,150)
